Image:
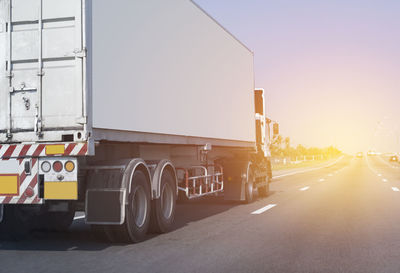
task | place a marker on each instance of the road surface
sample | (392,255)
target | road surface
(342,218)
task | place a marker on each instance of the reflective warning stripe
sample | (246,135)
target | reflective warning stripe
(28,186)
(8,151)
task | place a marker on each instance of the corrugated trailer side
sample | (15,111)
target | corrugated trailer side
(165,68)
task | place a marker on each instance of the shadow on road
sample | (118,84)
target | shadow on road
(80,237)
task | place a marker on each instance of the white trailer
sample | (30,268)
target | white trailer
(115,107)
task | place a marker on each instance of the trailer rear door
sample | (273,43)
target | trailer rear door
(41,67)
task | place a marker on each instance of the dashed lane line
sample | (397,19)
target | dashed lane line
(384,180)
(395,189)
(305,188)
(322,180)
(264,209)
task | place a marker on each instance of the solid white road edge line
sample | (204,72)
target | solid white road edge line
(395,189)
(309,170)
(264,209)
(79,217)
(305,188)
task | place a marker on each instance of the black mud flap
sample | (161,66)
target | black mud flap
(105,206)
(235,177)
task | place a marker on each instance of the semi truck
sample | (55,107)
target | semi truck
(117,108)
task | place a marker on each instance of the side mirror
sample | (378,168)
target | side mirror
(275,129)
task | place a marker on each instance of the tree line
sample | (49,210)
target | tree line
(281,147)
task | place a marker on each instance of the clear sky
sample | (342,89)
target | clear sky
(331,68)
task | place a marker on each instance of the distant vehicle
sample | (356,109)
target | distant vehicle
(394,158)
(360,155)
(371,153)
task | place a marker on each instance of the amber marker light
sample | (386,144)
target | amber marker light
(69,166)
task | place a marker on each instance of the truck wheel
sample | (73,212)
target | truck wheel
(250,188)
(263,191)
(137,215)
(163,208)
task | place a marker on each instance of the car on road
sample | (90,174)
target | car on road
(394,158)
(360,155)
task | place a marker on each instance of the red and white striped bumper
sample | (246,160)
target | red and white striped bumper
(39,150)
(14,157)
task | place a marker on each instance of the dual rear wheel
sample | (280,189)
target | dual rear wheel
(143,214)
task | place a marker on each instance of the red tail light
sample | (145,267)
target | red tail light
(57,166)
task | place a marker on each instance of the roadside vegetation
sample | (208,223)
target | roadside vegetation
(285,156)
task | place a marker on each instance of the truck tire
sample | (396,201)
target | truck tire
(163,208)
(250,188)
(137,212)
(263,191)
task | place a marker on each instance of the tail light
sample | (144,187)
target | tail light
(57,166)
(46,166)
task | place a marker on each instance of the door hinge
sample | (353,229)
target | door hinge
(80,53)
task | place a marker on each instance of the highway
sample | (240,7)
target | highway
(340,218)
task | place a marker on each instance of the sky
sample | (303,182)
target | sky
(331,69)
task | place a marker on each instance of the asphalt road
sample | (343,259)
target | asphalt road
(341,218)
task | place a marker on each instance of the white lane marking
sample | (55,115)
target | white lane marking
(305,188)
(264,209)
(379,174)
(322,180)
(330,174)
(79,217)
(308,170)
(395,189)
(384,180)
